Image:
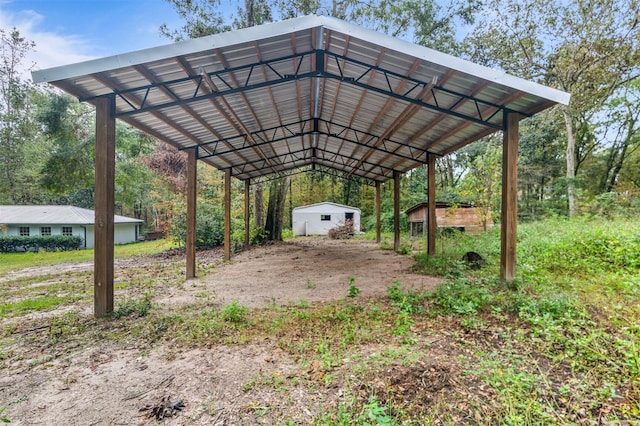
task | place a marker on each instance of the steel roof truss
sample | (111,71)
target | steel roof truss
(317,72)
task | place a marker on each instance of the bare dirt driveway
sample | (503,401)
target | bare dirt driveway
(310,269)
(96,378)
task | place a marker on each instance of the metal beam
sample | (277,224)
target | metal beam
(230,86)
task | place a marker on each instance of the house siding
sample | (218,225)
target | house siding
(124,233)
(307,220)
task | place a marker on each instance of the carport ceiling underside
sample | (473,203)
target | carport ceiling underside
(303,92)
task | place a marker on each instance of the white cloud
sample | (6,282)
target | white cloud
(51,50)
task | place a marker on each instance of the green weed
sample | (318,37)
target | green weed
(234,312)
(353,290)
(138,308)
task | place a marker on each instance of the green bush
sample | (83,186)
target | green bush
(209,227)
(14,243)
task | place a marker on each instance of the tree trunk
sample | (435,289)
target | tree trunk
(258,207)
(275,208)
(571,163)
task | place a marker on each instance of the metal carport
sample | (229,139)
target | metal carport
(311,91)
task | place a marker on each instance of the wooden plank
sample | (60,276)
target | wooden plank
(509,213)
(105,160)
(227,214)
(432,225)
(247,217)
(377,202)
(192,174)
(396,210)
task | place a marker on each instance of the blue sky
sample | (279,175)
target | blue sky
(68,31)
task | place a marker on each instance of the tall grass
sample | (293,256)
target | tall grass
(574,308)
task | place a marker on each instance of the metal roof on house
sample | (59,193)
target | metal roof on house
(311,91)
(325,207)
(52,215)
(439,205)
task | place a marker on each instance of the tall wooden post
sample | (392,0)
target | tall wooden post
(247,217)
(509,218)
(105,160)
(227,214)
(192,175)
(377,202)
(396,210)
(432,226)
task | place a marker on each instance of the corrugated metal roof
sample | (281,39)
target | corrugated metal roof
(324,207)
(307,91)
(52,215)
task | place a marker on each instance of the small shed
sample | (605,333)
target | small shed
(318,219)
(63,220)
(461,216)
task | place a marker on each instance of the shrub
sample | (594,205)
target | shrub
(12,243)
(209,227)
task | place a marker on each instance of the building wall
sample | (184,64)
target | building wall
(35,230)
(309,222)
(123,232)
(468,218)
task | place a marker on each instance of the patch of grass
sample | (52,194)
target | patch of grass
(132,307)
(64,326)
(44,303)
(234,312)
(13,261)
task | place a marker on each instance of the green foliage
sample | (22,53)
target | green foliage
(462,297)
(209,227)
(410,302)
(43,303)
(234,312)
(353,290)
(16,243)
(69,324)
(138,308)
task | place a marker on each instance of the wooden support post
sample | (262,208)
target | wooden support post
(105,160)
(192,175)
(396,210)
(432,225)
(227,214)
(377,202)
(247,217)
(509,217)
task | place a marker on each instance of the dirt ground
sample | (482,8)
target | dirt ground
(104,383)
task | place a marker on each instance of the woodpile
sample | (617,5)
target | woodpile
(342,231)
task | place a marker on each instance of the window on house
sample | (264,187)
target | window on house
(45,230)
(67,230)
(24,231)
(325,217)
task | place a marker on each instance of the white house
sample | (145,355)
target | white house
(318,219)
(63,220)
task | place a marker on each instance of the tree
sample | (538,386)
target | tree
(481,184)
(621,131)
(589,48)
(69,167)
(16,123)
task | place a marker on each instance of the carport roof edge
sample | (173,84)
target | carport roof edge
(307,91)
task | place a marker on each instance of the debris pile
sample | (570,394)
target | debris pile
(166,408)
(342,231)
